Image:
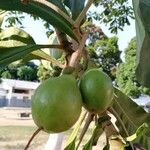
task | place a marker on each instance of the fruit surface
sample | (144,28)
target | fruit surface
(97,90)
(56,104)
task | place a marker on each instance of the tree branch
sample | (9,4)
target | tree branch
(82,14)
(66,45)
(32,137)
(77,54)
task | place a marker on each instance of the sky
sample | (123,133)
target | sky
(37,30)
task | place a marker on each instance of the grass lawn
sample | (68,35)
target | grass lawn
(16,137)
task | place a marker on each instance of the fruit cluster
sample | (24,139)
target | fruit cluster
(57,102)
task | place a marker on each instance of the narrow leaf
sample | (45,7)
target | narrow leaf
(139,132)
(73,135)
(14,34)
(42,55)
(97,132)
(107,146)
(142,11)
(59,4)
(89,144)
(71,146)
(76,6)
(11,54)
(2,15)
(132,116)
(42,11)
(12,38)
(30,57)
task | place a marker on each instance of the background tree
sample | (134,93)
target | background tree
(44,73)
(20,71)
(104,51)
(126,79)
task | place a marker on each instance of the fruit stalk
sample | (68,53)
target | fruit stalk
(32,137)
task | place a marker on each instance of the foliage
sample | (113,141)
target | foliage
(46,13)
(14,18)
(75,6)
(20,71)
(126,78)
(45,73)
(142,11)
(115,13)
(108,14)
(129,120)
(72,32)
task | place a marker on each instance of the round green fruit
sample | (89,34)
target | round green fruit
(96,90)
(56,104)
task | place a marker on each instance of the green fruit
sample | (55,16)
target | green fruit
(56,104)
(97,90)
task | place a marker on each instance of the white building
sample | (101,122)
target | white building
(16,93)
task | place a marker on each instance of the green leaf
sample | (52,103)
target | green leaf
(30,57)
(15,37)
(142,13)
(2,15)
(13,45)
(139,132)
(107,146)
(71,146)
(73,136)
(76,6)
(45,56)
(132,116)
(89,144)
(42,11)
(11,54)
(59,4)
(95,135)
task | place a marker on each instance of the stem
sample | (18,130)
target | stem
(87,123)
(32,137)
(121,123)
(82,14)
(52,6)
(52,46)
(66,45)
(77,54)
(48,58)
